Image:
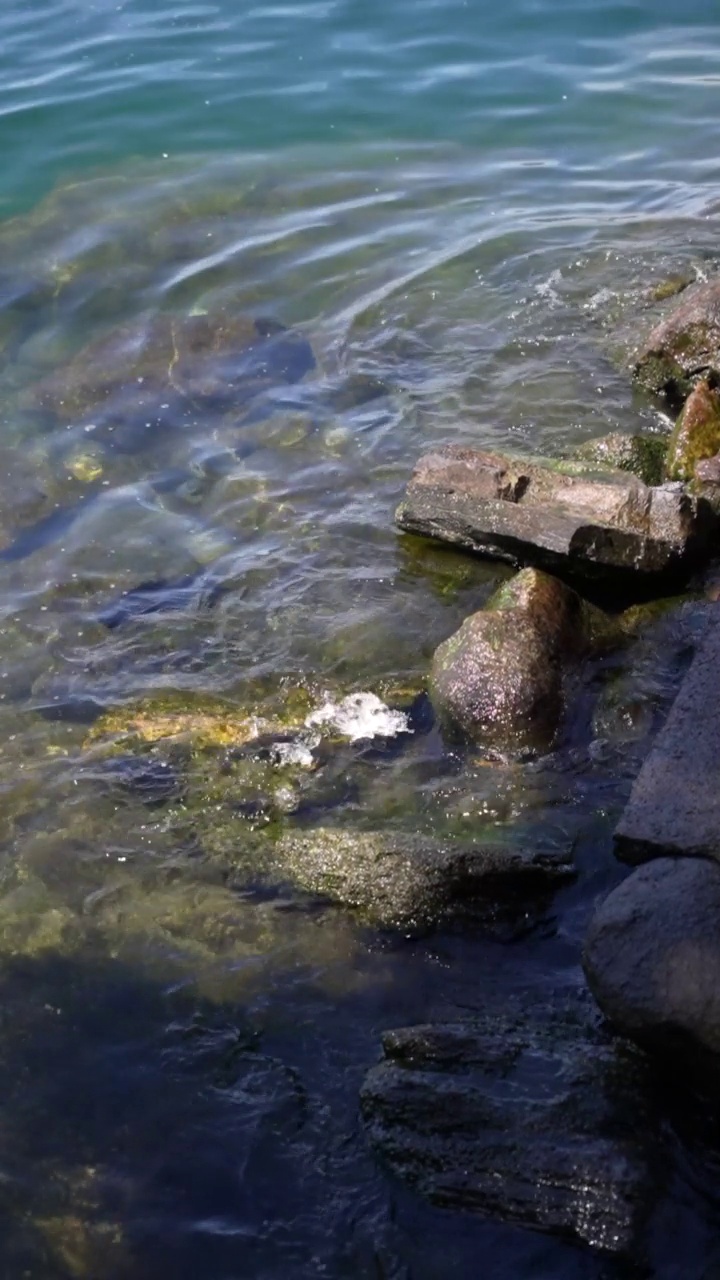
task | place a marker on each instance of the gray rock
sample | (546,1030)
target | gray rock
(601,527)
(652,955)
(538,1120)
(499,679)
(400,880)
(642,455)
(674,806)
(684,346)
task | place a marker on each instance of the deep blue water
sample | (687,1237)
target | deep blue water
(464,207)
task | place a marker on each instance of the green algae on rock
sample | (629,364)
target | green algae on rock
(498,681)
(642,455)
(683,347)
(697,432)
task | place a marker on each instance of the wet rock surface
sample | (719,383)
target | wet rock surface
(697,432)
(652,957)
(683,347)
(401,880)
(674,806)
(537,1119)
(642,455)
(612,527)
(498,681)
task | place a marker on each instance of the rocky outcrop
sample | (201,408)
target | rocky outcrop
(697,432)
(611,528)
(401,880)
(538,1120)
(498,680)
(652,956)
(674,806)
(683,347)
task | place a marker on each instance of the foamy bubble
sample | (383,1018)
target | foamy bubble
(360,715)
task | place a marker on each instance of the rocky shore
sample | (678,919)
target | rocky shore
(499,1117)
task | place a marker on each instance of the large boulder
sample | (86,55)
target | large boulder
(642,455)
(403,880)
(652,956)
(697,432)
(684,346)
(561,517)
(537,1119)
(498,680)
(674,805)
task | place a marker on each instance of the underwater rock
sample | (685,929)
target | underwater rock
(674,805)
(652,957)
(683,347)
(613,528)
(192,590)
(536,1119)
(498,681)
(151,778)
(145,379)
(402,880)
(697,432)
(642,455)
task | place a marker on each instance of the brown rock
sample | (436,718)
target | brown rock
(684,346)
(697,432)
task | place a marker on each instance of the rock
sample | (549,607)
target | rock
(697,432)
(642,455)
(181,595)
(674,806)
(499,679)
(652,956)
(707,480)
(142,380)
(401,880)
(684,346)
(612,528)
(538,1120)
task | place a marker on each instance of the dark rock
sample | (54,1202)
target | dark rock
(400,880)
(538,1120)
(706,482)
(674,806)
(697,432)
(151,778)
(499,679)
(192,590)
(612,528)
(652,956)
(642,455)
(684,346)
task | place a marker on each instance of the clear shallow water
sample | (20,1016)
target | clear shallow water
(465,216)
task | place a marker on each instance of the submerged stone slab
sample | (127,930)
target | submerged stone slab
(608,525)
(400,880)
(538,1120)
(674,806)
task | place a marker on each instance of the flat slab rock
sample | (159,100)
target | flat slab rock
(533,513)
(399,879)
(537,1120)
(674,806)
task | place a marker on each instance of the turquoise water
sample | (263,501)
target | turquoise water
(461,213)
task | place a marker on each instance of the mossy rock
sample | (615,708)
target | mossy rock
(642,455)
(696,436)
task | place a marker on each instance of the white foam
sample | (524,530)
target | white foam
(359,716)
(299,752)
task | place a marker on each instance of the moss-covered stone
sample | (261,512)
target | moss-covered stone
(697,432)
(499,680)
(642,455)
(684,346)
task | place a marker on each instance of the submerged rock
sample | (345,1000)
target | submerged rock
(499,679)
(652,956)
(684,346)
(613,528)
(147,378)
(160,596)
(401,880)
(697,432)
(537,1119)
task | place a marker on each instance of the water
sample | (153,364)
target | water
(465,214)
